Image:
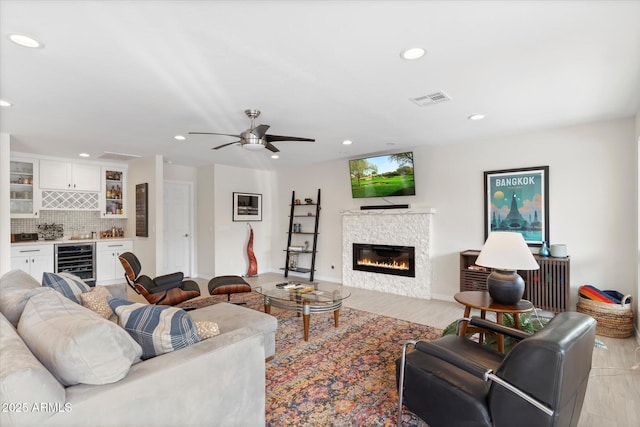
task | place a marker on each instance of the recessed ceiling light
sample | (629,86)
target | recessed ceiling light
(413,53)
(4,103)
(25,41)
(476,117)
(84,155)
(347,142)
(179,137)
(275,156)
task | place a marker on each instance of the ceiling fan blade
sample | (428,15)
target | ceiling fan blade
(260,130)
(213,133)
(274,138)
(224,145)
(269,146)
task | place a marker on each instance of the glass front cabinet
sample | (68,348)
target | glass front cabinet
(114,194)
(24,197)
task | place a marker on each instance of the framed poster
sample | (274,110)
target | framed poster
(142,210)
(247,207)
(518,200)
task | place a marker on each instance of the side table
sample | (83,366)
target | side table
(482,301)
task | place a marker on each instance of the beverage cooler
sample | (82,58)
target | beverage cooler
(78,259)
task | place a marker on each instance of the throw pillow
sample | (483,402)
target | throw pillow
(158,329)
(207,329)
(75,344)
(96,301)
(16,288)
(67,284)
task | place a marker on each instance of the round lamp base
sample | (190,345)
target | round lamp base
(505,287)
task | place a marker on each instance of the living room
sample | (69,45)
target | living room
(593,187)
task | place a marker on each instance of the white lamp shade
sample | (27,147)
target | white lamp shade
(506,251)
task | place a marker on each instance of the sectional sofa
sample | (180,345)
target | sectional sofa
(63,364)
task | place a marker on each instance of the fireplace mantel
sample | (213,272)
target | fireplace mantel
(401,227)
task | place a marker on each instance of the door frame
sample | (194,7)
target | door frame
(191,204)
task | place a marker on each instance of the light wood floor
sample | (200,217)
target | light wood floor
(613,393)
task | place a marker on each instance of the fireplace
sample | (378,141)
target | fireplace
(384,259)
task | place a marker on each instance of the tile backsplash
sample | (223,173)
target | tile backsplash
(74,222)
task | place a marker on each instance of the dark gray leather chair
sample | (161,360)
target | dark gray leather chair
(453,381)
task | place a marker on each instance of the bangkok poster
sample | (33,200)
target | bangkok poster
(517,200)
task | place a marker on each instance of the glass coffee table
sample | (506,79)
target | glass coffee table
(304,298)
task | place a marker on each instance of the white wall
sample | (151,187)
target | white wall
(231,237)
(637,294)
(149,250)
(590,190)
(332,178)
(5,207)
(592,206)
(205,222)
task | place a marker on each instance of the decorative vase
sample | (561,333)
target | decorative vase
(544,249)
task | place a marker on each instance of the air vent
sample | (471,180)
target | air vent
(431,99)
(109,155)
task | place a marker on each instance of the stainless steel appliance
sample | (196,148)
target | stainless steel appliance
(78,259)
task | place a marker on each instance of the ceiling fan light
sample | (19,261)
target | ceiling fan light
(254,147)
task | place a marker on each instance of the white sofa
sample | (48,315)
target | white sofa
(217,381)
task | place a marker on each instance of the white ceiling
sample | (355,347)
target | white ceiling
(126,76)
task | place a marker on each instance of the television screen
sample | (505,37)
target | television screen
(382,176)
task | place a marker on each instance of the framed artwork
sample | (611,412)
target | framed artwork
(247,207)
(518,200)
(142,210)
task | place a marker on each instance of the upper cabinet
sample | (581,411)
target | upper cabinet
(24,194)
(114,192)
(57,175)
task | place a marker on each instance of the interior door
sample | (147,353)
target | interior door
(178,224)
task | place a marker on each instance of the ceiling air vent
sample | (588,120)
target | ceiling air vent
(431,99)
(109,155)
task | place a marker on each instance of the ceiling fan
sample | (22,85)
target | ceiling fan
(255,138)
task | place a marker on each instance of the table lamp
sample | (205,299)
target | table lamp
(506,253)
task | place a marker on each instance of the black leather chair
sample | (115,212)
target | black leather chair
(453,381)
(170,289)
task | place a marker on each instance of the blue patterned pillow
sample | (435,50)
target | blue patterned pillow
(158,329)
(69,285)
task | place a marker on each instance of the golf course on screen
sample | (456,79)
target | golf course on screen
(382,176)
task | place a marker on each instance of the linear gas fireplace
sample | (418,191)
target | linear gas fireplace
(385,259)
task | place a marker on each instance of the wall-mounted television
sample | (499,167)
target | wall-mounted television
(382,176)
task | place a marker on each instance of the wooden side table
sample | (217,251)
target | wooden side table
(482,301)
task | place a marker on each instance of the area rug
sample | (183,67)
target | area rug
(342,376)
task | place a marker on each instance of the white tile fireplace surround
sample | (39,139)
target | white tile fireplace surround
(410,227)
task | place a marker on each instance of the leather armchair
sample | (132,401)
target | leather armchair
(542,381)
(169,289)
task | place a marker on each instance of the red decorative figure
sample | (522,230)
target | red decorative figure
(253,263)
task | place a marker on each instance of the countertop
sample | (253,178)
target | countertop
(69,240)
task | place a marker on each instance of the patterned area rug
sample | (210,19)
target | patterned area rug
(342,376)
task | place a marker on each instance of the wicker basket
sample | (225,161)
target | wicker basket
(614,320)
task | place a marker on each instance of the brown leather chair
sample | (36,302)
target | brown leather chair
(170,289)
(542,381)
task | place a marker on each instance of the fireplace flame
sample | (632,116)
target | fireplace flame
(394,265)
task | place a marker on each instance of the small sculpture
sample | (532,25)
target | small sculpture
(253,262)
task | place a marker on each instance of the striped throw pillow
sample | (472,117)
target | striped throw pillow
(69,285)
(158,329)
